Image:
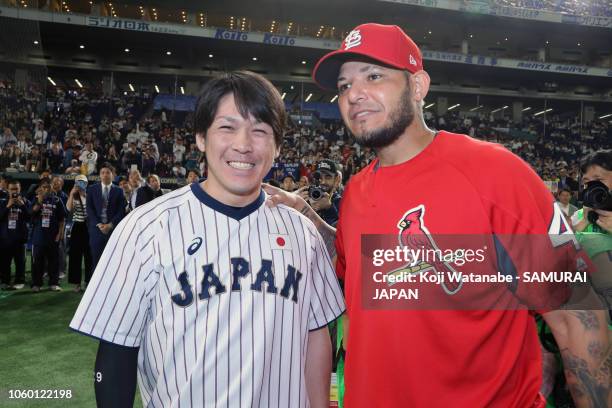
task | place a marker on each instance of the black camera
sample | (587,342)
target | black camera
(315,192)
(596,195)
(15,196)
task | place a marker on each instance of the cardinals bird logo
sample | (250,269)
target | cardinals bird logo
(415,236)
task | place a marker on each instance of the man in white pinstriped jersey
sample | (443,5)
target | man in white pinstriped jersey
(208,297)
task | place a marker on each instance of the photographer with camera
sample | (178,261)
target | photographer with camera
(79,237)
(596,214)
(47,214)
(13,235)
(323,193)
(593,222)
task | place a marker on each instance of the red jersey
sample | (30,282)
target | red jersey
(429,358)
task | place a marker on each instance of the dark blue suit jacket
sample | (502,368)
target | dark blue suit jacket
(115,210)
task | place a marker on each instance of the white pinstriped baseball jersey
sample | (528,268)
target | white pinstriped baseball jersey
(220,300)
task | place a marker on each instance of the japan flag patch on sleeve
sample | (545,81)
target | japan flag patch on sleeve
(280,241)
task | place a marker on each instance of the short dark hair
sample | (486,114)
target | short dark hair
(109,166)
(564,189)
(601,158)
(254,95)
(121,178)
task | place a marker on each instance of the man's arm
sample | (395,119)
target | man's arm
(584,343)
(115,375)
(318,367)
(92,216)
(3,209)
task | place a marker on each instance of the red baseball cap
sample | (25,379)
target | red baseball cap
(387,44)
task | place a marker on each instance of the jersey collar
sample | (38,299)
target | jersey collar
(236,213)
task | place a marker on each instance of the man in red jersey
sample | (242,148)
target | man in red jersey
(447,184)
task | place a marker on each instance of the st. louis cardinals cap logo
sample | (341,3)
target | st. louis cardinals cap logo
(414,235)
(353,39)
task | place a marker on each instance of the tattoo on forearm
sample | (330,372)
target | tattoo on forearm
(596,350)
(589,387)
(328,233)
(307,211)
(588,318)
(329,238)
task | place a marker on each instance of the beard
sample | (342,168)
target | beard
(399,119)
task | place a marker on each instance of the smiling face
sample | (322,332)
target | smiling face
(374,102)
(239,153)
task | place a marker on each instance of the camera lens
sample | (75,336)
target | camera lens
(315,193)
(596,195)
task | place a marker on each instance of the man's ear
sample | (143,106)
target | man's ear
(277,153)
(419,82)
(201,141)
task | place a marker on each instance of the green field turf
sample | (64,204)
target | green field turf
(39,352)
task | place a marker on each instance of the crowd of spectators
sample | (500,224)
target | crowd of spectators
(573,7)
(91,136)
(75,134)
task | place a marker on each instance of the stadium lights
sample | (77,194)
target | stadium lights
(333,99)
(303,62)
(308,97)
(605,116)
(476,108)
(454,106)
(498,109)
(168,52)
(320,31)
(210,55)
(430,105)
(127,50)
(283,95)
(541,112)
(254,58)
(35,42)
(131,87)
(182,90)
(78,83)
(526,109)
(291,87)
(156,88)
(52,81)
(81,46)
